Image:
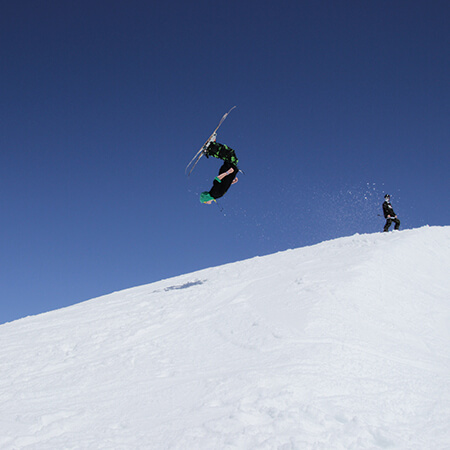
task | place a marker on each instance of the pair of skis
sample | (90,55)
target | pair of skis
(190,167)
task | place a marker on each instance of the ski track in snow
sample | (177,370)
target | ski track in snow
(341,345)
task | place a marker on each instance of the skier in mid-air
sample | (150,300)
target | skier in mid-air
(389,214)
(227,173)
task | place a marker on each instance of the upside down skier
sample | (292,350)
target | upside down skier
(227,172)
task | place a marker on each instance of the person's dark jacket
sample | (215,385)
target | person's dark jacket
(221,187)
(388,210)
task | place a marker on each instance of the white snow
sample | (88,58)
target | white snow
(341,345)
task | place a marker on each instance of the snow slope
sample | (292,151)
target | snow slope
(341,345)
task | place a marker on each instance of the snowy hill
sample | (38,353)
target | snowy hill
(341,345)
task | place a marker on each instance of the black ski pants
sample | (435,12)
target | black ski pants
(389,223)
(223,152)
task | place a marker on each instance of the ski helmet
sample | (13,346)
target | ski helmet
(387,196)
(205,197)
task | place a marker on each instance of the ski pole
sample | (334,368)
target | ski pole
(220,208)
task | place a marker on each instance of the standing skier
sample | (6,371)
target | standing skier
(389,214)
(227,173)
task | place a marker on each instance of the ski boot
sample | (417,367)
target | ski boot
(205,147)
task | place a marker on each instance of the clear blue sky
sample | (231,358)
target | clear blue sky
(103,103)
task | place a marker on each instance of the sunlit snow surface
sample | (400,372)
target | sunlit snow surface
(341,345)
